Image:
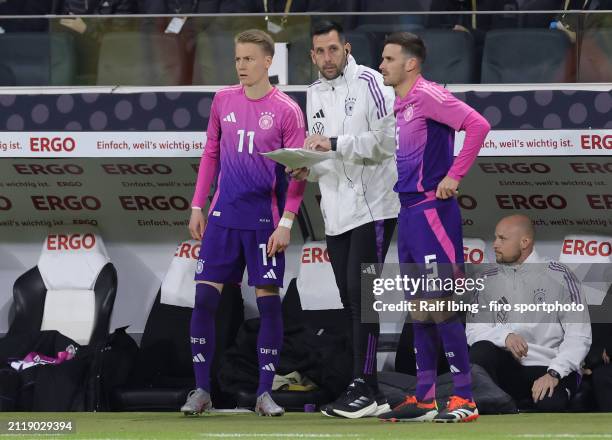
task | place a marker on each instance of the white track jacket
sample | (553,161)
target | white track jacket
(559,340)
(357,185)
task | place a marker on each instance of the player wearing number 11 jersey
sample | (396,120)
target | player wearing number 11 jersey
(250,216)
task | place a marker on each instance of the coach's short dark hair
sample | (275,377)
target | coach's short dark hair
(411,44)
(325,27)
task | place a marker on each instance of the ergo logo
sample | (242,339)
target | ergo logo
(187,250)
(74,242)
(55,144)
(590,248)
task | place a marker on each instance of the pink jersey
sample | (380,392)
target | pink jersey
(427,118)
(252,191)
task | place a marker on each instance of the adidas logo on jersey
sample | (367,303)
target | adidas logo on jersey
(269,367)
(319,115)
(454,369)
(198,358)
(270,275)
(230,118)
(370,270)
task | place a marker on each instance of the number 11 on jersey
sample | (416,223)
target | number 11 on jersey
(250,135)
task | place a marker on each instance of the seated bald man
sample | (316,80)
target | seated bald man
(534,357)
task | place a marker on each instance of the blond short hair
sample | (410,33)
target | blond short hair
(258,37)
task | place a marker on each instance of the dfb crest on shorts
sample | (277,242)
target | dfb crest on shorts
(539,296)
(200,266)
(318,128)
(266,121)
(349,105)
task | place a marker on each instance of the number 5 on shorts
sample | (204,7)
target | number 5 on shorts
(431,264)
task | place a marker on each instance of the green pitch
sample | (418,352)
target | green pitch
(173,426)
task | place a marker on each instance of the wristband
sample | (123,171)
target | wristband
(196,207)
(285,222)
(334,143)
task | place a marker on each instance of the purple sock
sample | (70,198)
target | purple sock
(202,332)
(426,352)
(456,349)
(269,340)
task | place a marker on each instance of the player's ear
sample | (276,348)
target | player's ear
(268,61)
(411,64)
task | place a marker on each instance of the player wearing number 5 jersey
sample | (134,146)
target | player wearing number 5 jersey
(429,223)
(251,213)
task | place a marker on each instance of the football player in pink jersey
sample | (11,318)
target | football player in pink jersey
(429,223)
(250,216)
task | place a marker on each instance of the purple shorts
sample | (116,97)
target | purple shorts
(225,252)
(430,241)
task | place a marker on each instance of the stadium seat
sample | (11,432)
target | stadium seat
(72,289)
(595,62)
(363,48)
(301,69)
(214,59)
(526,56)
(162,375)
(474,250)
(401,21)
(7,77)
(144,59)
(316,284)
(386,28)
(39,59)
(589,257)
(450,56)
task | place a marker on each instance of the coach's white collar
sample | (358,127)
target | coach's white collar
(347,75)
(534,258)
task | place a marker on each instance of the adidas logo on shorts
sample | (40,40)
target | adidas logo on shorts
(270,275)
(370,270)
(198,358)
(269,367)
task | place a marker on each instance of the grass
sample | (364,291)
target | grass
(163,426)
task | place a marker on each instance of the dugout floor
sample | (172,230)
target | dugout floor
(103,426)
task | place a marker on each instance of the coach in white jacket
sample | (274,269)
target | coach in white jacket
(350,113)
(532,355)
